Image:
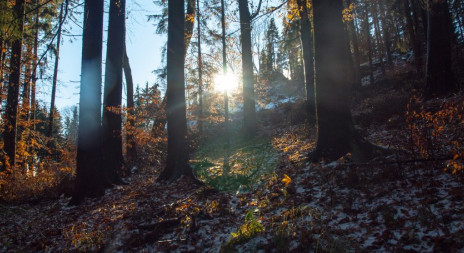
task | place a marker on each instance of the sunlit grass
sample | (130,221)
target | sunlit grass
(249,161)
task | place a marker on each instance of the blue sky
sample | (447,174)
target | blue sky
(143,48)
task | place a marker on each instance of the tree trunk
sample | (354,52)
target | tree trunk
(3,48)
(189,23)
(112,96)
(308,61)
(439,77)
(336,135)
(89,171)
(357,55)
(34,71)
(200,73)
(385,30)
(367,29)
(177,158)
(249,113)
(131,147)
(378,37)
(55,75)
(413,42)
(11,113)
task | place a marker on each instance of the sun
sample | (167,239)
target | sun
(225,83)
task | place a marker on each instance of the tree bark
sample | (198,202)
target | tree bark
(89,172)
(308,60)
(131,147)
(356,54)
(189,23)
(367,29)
(200,72)
(439,77)
(34,71)
(413,41)
(249,113)
(336,135)
(178,155)
(11,113)
(112,95)
(385,30)
(378,37)
(55,74)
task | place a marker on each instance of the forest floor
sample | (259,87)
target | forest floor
(402,202)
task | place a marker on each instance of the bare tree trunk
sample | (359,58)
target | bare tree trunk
(9,133)
(413,42)
(178,155)
(439,76)
(112,96)
(357,56)
(385,30)
(89,172)
(131,147)
(378,37)
(308,60)
(189,22)
(55,74)
(34,71)
(249,113)
(336,135)
(200,72)
(367,29)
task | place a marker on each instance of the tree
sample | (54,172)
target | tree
(177,158)
(200,67)
(355,44)
(89,174)
(131,147)
(9,133)
(439,77)
(249,113)
(308,60)
(112,95)
(413,40)
(55,71)
(336,135)
(270,61)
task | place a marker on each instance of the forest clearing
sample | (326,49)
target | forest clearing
(270,126)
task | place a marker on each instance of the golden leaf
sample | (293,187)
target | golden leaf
(287,180)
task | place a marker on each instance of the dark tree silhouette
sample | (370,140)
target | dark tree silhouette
(356,54)
(131,147)
(308,60)
(177,158)
(112,96)
(336,135)
(439,77)
(413,40)
(55,72)
(11,113)
(200,71)
(249,113)
(189,23)
(89,173)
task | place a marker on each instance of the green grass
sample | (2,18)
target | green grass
(249,161)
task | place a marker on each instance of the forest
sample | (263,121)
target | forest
(269,126)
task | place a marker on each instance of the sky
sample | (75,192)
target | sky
(143,49)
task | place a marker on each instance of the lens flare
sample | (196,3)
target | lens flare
(226,83)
